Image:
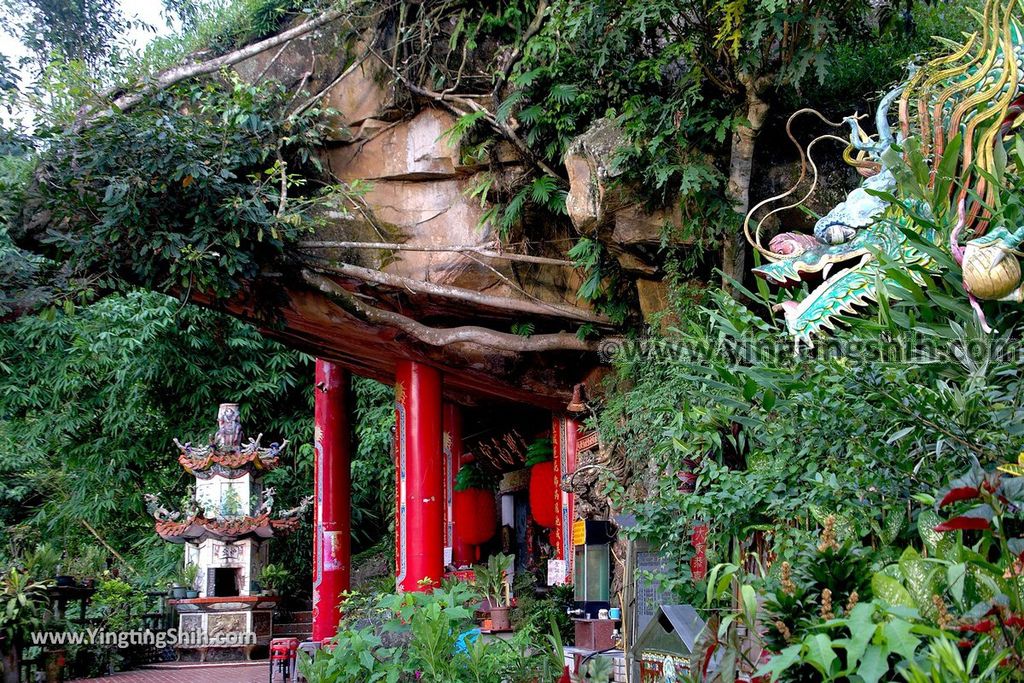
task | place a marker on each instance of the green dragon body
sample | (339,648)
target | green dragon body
(975,95)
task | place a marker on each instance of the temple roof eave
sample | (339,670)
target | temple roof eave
(197,529)
(229,462)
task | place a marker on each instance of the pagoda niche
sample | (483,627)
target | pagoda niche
(225,528)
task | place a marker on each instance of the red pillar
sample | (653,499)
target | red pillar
(563,441)
(333,484)
(462,553)
(419,527)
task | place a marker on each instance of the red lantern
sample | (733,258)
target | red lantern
(543,496)
(474,514)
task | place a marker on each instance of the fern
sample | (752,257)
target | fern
(464,125)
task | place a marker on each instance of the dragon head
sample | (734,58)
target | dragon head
(977,83)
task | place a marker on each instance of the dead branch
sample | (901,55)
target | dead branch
(459,293)
(482,336)
(531,31)
(326,89)
(448,101)
(177,74)
(483,250)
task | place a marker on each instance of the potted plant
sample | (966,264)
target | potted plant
(41,562)
(492,580)
(88,565)
(25,602)
(272,578)
(188,576)
(61,579)
(179,585)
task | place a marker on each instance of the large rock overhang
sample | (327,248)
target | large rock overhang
(446,277)
(419,197)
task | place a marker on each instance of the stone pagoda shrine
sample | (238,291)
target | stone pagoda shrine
(225,529)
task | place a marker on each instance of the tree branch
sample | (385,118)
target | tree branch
(174,75)
(482,336)
(459,293)
(447,101)
(531,31)
(482,250)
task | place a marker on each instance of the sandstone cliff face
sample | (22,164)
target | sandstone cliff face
(444,274)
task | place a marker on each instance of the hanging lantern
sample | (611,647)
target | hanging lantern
(543,496)
(475,518)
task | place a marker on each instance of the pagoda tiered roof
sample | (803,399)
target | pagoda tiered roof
(229,461)
(198,528)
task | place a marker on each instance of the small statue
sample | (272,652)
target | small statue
(266,502)
(229,428)
(298,509)
(158,511)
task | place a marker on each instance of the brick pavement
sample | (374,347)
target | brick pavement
(216,673)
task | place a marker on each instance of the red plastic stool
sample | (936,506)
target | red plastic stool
(283,652)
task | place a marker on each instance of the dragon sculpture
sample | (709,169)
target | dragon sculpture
(954,113)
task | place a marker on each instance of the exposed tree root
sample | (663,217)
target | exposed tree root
(482,336)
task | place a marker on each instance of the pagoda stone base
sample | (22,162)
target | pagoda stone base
(224,629)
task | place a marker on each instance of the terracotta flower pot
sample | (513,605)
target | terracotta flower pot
(500,619)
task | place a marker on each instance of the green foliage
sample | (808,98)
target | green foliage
(197,189)
(41,562)
(231,503)
(945,661)
(373,478)
(119,604)
(189,574)
(82,30)
(492,579)
(957,615)
(859,66)
(91,400)
(23,602)
(416,636)
(219,26)
(472,476)
(89,562)
(603,283)
(781,441)
(116,607)
(541,613)
(273,576)
(538,450)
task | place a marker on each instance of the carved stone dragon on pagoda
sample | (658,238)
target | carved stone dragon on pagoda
(958,113)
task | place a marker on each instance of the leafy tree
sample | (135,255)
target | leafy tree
(90,402)
(775,443)
(66,30)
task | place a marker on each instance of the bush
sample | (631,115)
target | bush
(428,637)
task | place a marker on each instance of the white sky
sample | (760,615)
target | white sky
(146,10)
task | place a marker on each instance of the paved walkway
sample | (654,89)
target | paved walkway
(256,672)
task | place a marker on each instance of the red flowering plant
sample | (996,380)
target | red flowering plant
(985,517)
